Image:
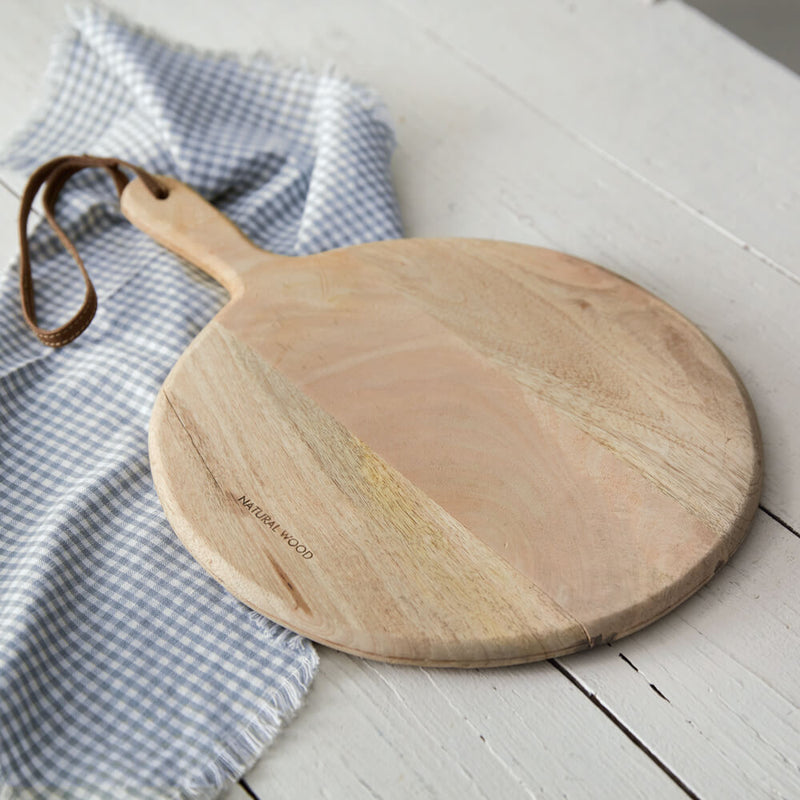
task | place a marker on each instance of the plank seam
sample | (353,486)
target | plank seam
(673,199)
(248,791)
(779,521)
(501,762)
(624,729)
(367,665)
(8,188)
(15,194)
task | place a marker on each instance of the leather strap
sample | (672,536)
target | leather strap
(53,175)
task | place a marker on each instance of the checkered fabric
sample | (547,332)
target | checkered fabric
(125,671)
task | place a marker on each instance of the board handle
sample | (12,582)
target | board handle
(188,225)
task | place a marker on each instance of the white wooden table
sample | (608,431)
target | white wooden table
(639,136)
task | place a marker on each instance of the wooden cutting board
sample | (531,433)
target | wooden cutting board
(449,452)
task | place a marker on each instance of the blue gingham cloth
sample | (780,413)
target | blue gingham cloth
(125,671)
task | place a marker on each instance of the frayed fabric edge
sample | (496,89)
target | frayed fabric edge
(233,758)
(367,96)
(12,151)
(237,755)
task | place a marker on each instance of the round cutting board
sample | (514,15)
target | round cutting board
(449,452)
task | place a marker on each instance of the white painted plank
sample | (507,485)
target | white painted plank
(378,731)
(27,28)
(726,664)
(475,159)
(662,90)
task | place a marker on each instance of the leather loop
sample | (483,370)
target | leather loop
(53,176)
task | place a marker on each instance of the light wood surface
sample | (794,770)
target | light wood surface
(699,205)
(449,452)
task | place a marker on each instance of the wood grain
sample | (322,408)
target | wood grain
(487,453)
(556,178)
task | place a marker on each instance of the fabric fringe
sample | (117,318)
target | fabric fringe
(367,97)
(79,15)
(239,754)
